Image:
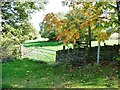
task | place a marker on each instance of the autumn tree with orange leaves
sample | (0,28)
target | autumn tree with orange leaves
(87,14)
(51,26)
(97,16)
(86,21)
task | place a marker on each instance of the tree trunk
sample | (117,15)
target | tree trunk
(118,10)
(89,37)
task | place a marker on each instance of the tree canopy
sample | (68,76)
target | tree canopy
(100,16)
(15,18)
(50,24)
(16,26)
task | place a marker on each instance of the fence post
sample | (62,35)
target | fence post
(98,53)
(21,51)
(64,47)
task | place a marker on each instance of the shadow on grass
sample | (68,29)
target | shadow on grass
(39,74)
(6,86)
(41,44)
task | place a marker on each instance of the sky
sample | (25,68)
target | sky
(53,6)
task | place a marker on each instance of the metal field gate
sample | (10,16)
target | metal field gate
(38,53)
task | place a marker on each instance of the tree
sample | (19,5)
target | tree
(49,26)
(94,15)
(97,16)
(16,27)
(76,20)
(118,10)
(15,13)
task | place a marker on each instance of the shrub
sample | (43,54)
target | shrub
(8,49)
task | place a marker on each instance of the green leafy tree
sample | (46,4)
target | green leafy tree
(16,27)
(17,13)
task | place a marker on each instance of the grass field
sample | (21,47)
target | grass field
(31,74)
(26,73)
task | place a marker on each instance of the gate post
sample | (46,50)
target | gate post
(21,50)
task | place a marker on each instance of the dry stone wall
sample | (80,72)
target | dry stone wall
(80,56)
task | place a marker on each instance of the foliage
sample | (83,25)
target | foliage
(48,29)
(71,32)
(16,27)
(60,15)
(10,44)
(8,49)
(16,15)
(84,15)
(25,32)
(51,24)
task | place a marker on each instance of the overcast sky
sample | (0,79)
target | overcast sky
(53,6)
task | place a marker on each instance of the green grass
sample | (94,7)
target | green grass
(30,74)
(41,44)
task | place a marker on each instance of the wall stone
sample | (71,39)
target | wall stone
(80,56)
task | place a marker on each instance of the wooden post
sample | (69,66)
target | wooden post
(21,51)
(104,44)
(98,53)
(64,47)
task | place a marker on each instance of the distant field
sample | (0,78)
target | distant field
(46,43)
(107,42)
